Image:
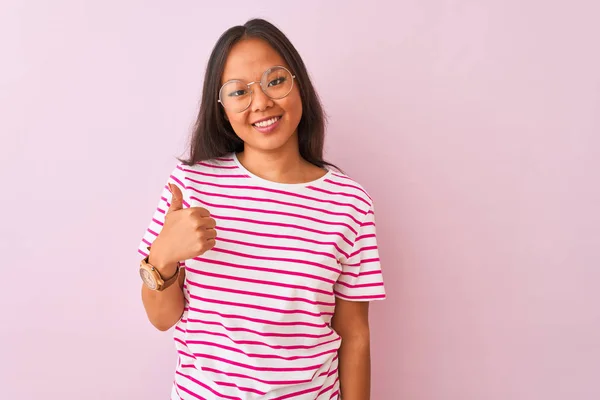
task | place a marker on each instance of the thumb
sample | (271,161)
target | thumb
(176,199)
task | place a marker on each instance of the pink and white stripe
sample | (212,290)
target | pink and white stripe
(259,304)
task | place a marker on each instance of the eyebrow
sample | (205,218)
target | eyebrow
(260,76)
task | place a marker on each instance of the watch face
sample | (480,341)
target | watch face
(148,279)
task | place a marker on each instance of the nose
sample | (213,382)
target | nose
(260,101)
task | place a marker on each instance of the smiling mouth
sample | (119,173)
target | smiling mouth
(266,123)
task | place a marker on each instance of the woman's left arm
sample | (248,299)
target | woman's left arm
(351,322)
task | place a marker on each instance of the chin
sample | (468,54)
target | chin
(268,142)
(269,145)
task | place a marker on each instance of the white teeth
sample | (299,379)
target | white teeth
(269,122)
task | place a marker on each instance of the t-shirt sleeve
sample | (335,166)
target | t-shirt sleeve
(361,278)
(177,177)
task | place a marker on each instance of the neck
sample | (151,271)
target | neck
(283,165)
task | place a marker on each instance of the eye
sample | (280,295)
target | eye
(237,93)
(276,82)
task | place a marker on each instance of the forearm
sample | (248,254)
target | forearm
(355,368)
(164,308)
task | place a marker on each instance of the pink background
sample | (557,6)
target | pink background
(475,125)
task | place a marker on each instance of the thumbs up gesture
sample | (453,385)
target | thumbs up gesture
(187,233)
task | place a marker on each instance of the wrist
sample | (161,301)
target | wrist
(166,271)
(165,267)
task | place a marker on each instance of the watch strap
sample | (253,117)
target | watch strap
(168,282)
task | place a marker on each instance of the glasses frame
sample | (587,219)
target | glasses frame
(261,87)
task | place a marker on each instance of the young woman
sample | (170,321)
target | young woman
(262,255)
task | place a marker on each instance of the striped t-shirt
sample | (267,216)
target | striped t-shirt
(256,323)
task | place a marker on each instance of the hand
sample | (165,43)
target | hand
(186,233)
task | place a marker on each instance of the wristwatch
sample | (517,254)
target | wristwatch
(152,278)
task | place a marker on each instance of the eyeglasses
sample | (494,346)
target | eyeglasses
(276,83)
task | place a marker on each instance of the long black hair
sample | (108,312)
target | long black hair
(213,135)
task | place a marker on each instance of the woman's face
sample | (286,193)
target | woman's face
(247,62)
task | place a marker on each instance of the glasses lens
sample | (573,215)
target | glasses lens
(277,82)
(235,96)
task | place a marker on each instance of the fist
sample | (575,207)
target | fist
(187,233)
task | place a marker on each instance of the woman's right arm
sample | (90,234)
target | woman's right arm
(187,233)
